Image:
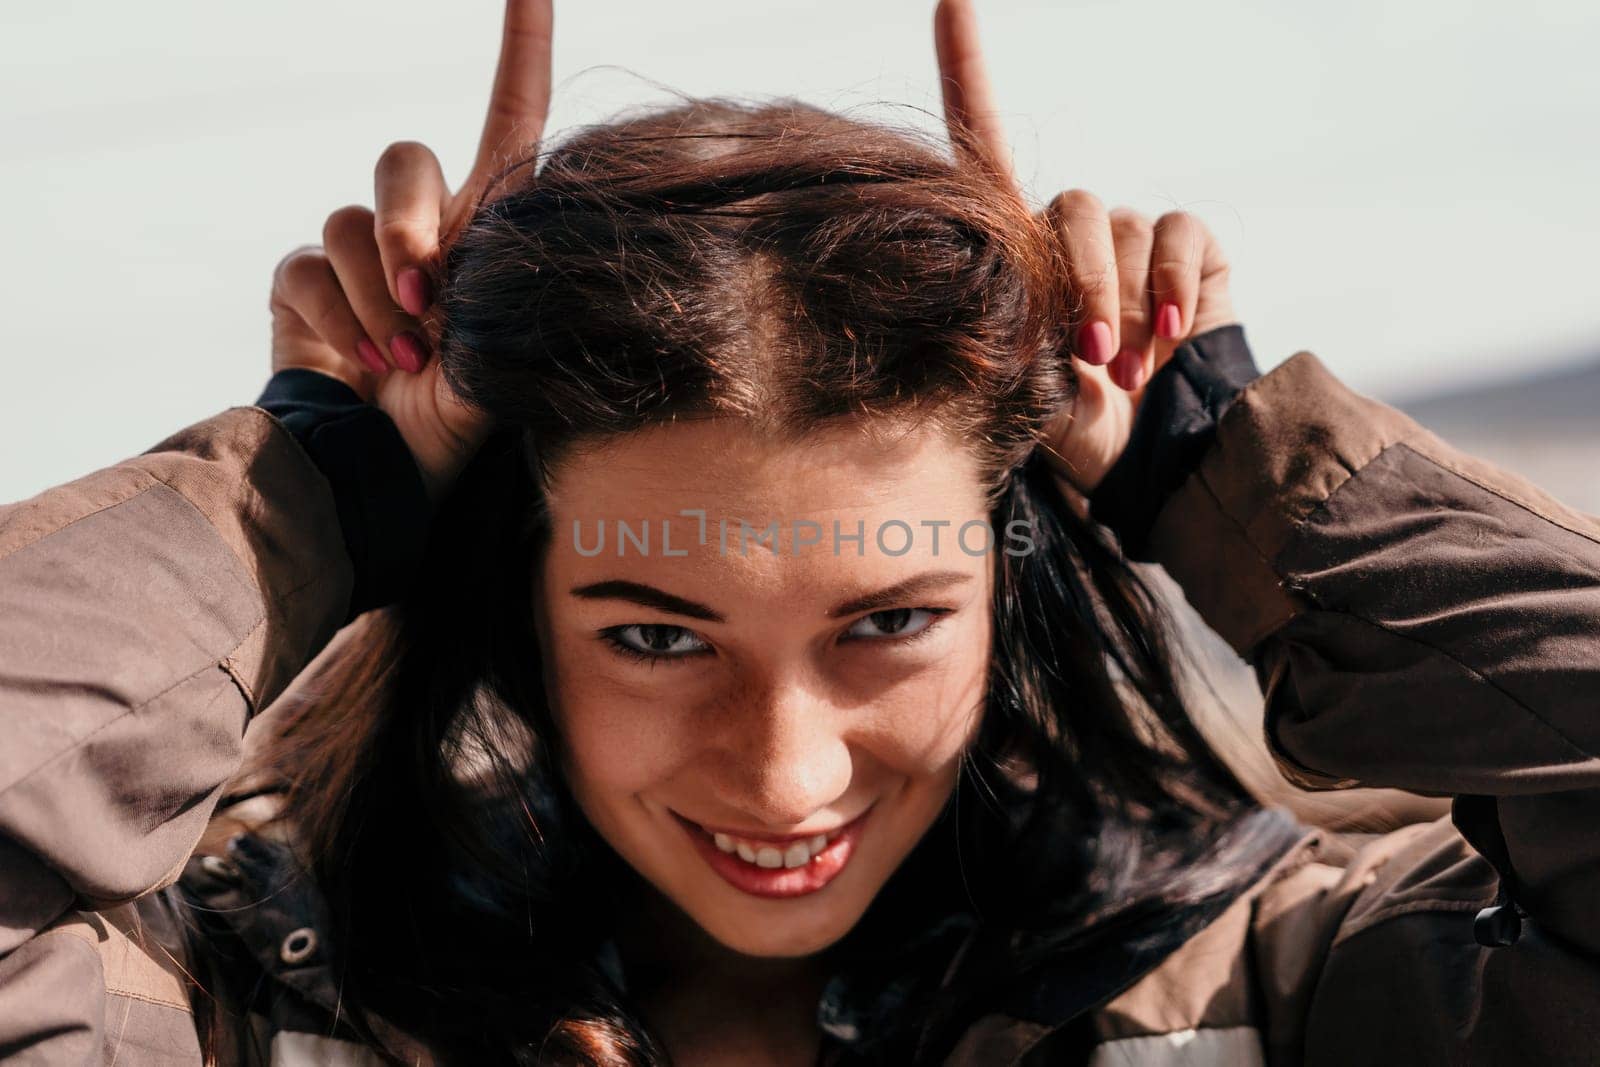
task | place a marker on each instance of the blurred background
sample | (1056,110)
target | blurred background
(1409,190)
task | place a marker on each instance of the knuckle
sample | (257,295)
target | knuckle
(1174,267)
(1180,235)
(293,254)
(402,156)
(327,321)
(1125,221)
(1095,284)
(399,229)
(1077,204)
(1176,222)
(300,270)
(1173,283)
(1081,218)
(346,226)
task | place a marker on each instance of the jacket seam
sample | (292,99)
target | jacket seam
(311,464)
(224,663)
(146,998)
(105,984)
(1485,679)
(1244,531)
(131,464)
(244,564)
(1321,508)
(1578,561)
(279,428)
(1286,518)
(113,721)
(1266,629)
(1440,905)
(1521,505)
(228,667)
(286,433)
(1405,443)
(51,532)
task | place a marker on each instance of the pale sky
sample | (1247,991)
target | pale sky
(1410,190)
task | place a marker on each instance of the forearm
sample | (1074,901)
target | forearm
(1365,565)
(146,611)
(1418,618)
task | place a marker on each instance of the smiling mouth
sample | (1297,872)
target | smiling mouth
(793,852)
(789,868)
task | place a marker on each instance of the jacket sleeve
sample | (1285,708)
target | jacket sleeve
(147,610)
(1418,620)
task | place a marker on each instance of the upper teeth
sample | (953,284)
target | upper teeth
(761,854)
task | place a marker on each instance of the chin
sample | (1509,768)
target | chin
(769,938)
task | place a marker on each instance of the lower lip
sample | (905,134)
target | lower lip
(779,882)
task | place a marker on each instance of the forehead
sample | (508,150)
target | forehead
(865,477)
(849,464)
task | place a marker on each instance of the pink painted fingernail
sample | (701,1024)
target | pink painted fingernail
(408,351)
(1128,369)
(1094,343)
(369,354)
(1169,322)
(415,294)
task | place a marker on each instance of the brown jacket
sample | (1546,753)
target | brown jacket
(1419,620)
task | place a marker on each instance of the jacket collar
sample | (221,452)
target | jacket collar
(911,948)
(864,1007)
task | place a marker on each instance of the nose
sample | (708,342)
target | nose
(780,755)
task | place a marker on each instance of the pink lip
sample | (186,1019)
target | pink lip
(778,882)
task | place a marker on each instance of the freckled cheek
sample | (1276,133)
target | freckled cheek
(618,738)
(929,738)
(599,719)
(920,729)
(943,717)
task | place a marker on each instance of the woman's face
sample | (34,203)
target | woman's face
(777,705)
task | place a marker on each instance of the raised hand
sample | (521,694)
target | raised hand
(1142,288)
(356,306)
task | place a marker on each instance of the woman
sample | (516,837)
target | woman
(591,778)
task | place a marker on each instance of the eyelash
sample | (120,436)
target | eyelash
(610,636)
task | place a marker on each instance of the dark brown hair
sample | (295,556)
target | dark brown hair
(789,267)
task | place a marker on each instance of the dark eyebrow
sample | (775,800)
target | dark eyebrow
(651,597)
(916,585)
(648,595)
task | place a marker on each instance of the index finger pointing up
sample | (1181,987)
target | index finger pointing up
(520,99)
(968,97)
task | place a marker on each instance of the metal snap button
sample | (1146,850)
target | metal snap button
(298,946)
(220,867)
(1497,926)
